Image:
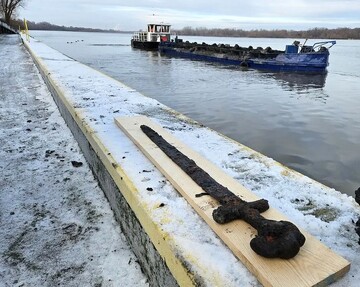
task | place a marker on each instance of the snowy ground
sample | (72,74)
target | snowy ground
(56,227)
(325,213)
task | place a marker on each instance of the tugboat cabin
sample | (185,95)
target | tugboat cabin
(150,39)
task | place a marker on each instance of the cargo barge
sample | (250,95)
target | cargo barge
(295,58)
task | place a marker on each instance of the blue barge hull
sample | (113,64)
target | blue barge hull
(304,63)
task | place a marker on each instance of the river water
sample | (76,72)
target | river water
(310,123)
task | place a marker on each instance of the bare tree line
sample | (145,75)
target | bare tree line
(46,26)
(8,9)
(315,33)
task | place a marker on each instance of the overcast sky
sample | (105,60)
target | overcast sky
(250,14)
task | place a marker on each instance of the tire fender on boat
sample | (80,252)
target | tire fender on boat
(244,64)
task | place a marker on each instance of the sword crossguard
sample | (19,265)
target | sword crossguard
(275,239)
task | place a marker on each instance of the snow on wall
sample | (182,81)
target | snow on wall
(323,212)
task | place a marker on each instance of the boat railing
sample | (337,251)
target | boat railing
(323,46)
(318,47)
(140,36)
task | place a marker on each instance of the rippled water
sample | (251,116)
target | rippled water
(309,123)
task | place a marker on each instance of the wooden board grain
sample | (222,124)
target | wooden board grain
(315,265)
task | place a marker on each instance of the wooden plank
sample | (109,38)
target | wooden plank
(315,265)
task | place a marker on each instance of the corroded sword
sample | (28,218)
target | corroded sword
(275,239)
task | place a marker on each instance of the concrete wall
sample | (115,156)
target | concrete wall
(6,29)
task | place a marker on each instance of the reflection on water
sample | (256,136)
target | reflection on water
(304,85)
(300,82)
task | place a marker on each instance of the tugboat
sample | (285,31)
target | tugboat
(150,39)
